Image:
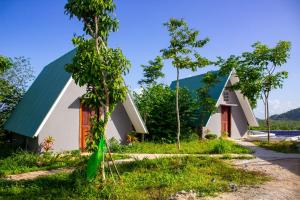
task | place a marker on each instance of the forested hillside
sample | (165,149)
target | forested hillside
(289,115)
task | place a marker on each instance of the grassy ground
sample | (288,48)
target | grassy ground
(22,161)
(216,146)
(281,146)
(146,179)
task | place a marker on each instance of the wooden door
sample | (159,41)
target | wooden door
(85,114)
(226,119)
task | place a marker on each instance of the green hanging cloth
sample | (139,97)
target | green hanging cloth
(95,160)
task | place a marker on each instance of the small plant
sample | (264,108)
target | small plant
(221,147)
(48,143)
(211,136)
(115,145)
(224,134)
(131,138)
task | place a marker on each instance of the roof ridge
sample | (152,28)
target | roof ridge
(197,75)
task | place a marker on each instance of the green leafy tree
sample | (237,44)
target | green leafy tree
(183,51)
(152,71)
(162,122)
(259,72)
(15,76)
(100,69)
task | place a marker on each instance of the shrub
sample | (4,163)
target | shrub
(221,147)
(157,105)
(115,145)
(211,136)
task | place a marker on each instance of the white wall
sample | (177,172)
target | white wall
(239,125)
(64,123)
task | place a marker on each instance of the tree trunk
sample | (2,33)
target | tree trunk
(177,110)
(268,119)
(143,135)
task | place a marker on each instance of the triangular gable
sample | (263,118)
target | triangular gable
(38,100)
(244,102)
(194,83)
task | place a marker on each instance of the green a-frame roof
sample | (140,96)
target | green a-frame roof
(195,82)
(34,106)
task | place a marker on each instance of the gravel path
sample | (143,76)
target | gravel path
(283,168)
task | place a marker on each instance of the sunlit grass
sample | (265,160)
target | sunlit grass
(280,146)
(216,146)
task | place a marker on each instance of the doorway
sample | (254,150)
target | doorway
(226,119)
(85,125)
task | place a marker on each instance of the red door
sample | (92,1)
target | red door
(85,114)
(226,119)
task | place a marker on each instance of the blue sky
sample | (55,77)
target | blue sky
(40,31)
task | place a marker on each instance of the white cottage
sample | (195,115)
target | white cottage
(234,114)
(52,107)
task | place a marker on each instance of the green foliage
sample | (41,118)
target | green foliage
(222,147)
(115,145)
(97,16)
(280,146)
(143,180)
(187,147)
(157,103)
(184,46)
(211,136)
(5,63)
(15,76)
(152,71)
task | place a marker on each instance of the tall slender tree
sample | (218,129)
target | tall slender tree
(183,51)
(259,72)
(99,68)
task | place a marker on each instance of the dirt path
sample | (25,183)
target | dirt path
(283,168)
(35,174)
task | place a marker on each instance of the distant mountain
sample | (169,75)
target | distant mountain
(289,115)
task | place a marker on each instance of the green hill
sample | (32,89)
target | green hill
(289,115)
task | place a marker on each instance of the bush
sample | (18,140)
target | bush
(115,145)
(211,136)
(221,147)
(157,107)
